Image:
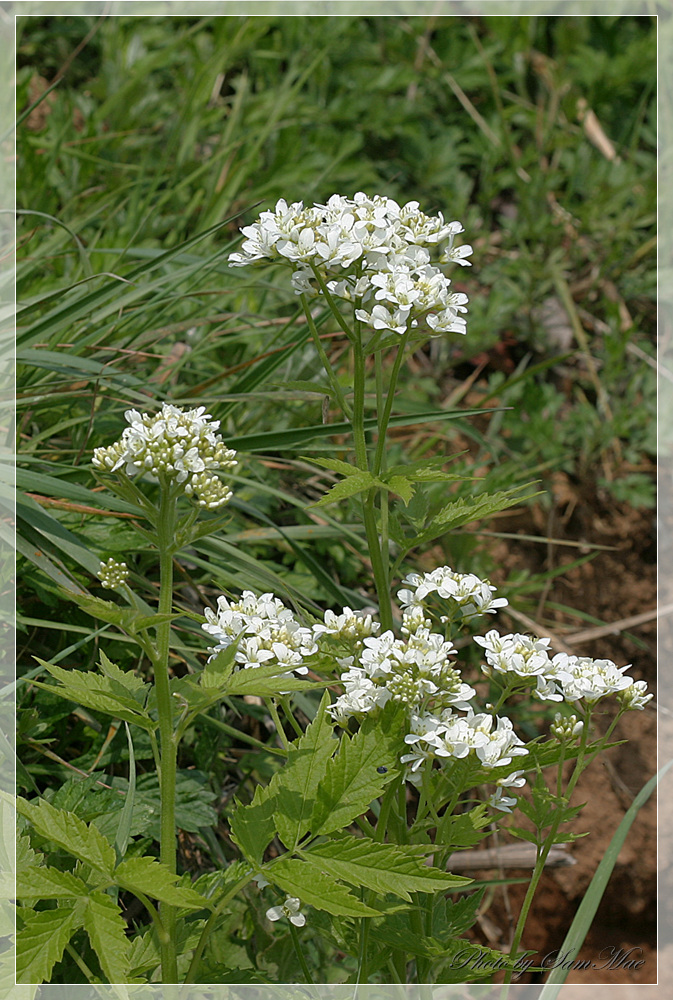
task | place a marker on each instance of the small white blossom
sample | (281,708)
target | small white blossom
(348,625)
(582,678)
(468,594)
(505,803)
(112,573)
(290,909)
(265,629)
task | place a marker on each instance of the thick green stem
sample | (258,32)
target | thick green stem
(379,567)
(168,743)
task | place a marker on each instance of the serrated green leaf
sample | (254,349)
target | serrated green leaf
(41,941)
(400,485)
(350,487)
(102,694)
(253,827)
(43,882)
(150,877)
(334,465)
(464,510)
(352,779)
(266,681)
(106,929)
(297,783)
(218,670)
(126,679)
(26,857)
(381,867)
(66,830)
(131,620)
(316,889)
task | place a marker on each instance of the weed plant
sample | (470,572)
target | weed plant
(162,138)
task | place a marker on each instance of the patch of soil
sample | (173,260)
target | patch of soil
(618,584)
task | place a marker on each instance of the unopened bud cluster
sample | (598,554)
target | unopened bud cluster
(112,573)
(566,728)
(174,445)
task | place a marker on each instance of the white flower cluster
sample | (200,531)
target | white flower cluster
(468,594)
(266,630)
(112,573)
(449,735)
(370,251)
(414,670)
(181,446)
(562,677)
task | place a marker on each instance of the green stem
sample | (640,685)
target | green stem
(547,845)
(362,956)
(329,371)
(289,715)
(205,933)
(336,312)
(273,711)
(300,955)
(386,806)
(384,417)
(168,744)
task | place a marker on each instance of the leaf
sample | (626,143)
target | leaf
(267,681)
(106,929)
(151,878)
(352,780)
(218,670)
(466,509)
(296,784)
(350,487)
(66,830)
(297,437)
(400,485)
(43,882)
(381,867)
(334,465)
(41,941)
(98,693)
(131,620)
(316,889)
(126,679)
(253,827)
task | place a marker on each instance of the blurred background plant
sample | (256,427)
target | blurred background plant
(144,144)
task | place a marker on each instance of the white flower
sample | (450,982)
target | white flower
(348,625)
(180,446)
(634,697)
(385,247)
(505,803)
(265,628)
(469,594)
(515,653)
(581,677)
(290,909)
(261,881)
(112,573)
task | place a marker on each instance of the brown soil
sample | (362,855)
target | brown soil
(615,585)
